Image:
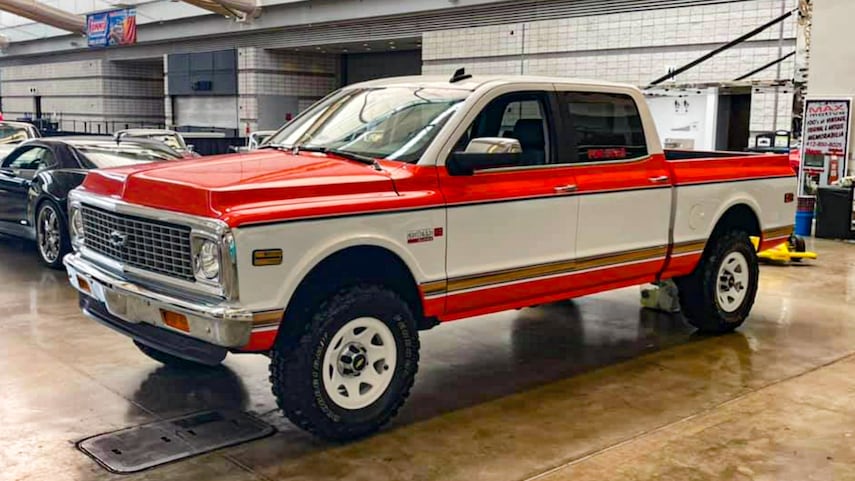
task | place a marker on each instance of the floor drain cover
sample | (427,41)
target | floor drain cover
(141,447)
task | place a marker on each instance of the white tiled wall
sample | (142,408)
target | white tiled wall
(763,109)
(307,76)
(92,91)
(626,65)
(652,28)
(632,47)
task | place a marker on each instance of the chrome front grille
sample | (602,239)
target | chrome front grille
(146,244)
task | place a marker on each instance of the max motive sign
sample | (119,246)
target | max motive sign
(826,127)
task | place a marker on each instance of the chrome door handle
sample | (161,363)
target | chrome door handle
(565,189)
(660,179)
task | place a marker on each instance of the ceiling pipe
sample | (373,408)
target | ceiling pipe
(41,13)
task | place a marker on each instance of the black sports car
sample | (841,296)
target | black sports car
(36,177)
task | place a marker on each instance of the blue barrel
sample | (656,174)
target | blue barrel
(804,223)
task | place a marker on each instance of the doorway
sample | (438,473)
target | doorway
(733,128)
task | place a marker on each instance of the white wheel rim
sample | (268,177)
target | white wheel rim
(49,236)
(359,363)
(732,282)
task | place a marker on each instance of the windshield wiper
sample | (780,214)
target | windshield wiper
(275,146)
(342,153)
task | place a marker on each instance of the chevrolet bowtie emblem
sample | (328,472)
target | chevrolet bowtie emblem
(117,239)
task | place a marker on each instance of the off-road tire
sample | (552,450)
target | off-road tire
(169,360)
(698,295)
(296,368)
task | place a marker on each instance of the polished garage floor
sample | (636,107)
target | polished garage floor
(595,389)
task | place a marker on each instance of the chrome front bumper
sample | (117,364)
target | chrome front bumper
(214,323)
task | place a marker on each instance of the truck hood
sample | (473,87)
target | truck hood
(216,186)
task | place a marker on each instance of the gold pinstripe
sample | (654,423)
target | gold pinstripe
(566,267)
(540,270)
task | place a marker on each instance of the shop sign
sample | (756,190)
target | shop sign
(826,127)
(825,143)
(116,27)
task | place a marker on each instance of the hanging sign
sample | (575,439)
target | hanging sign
(825,143)
(826,127)
(116,27)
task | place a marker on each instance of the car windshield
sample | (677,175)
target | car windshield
(172,140)
(10,134)
(396,123)
(104,156)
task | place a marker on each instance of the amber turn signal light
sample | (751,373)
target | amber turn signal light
(175,320)
(267,257)
(84,285)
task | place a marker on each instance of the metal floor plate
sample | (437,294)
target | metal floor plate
(146,446)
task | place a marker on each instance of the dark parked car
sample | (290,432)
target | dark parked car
(36,177)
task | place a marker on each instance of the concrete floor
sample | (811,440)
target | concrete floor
(592,389)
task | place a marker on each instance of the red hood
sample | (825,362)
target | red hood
(215,186)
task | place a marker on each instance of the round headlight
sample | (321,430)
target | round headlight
(207,265)
(77,224)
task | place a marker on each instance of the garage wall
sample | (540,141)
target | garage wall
(634,47)
(88,95)
(273,85)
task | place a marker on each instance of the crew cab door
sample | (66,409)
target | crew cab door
(510,229)
(16,173)
(624,186)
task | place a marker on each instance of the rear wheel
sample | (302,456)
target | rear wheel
(353,367)
(51,235)
(717,297)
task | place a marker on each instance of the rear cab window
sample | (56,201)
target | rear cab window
(602,127)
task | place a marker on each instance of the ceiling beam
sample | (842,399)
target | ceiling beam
(41,13)
(239,9)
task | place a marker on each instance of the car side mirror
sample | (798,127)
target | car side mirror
(191,147)
(485,153)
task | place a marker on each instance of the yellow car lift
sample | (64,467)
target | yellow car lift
(792,250)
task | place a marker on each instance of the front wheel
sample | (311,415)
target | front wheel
(353,367)
(717,297)
(51,235)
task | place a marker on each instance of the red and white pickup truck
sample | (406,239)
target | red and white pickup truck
(394,205)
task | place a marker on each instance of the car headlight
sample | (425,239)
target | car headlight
(206,265)
(77,232)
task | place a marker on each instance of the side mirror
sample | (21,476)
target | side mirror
(191,147)
(485,153)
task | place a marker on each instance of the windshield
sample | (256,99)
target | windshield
(396,123)
(11,134)
(172,140)
(104,156)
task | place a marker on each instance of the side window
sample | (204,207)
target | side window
(30,159)
(520,116)
(604,126)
